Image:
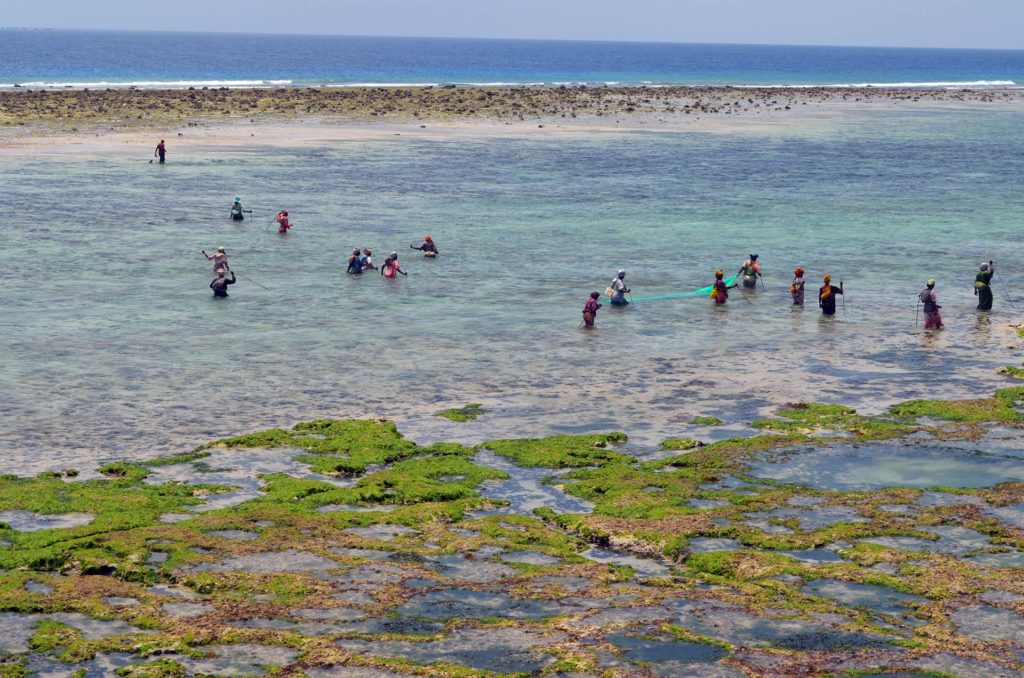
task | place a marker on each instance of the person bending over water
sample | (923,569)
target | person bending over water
(827,296)
(220,285)
(932,317)
(237,210)
(590,309)
(619,289)
(428,247)
(983,286)
(219,259)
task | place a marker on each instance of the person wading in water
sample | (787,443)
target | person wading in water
(827,296)
(932,317)
(220,285)
(983,286)
(160,152)
(590,309)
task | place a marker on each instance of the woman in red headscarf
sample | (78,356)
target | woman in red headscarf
(428,247)
(796,288)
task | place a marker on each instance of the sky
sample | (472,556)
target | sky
(997,24)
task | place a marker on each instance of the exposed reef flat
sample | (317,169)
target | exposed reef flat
(123,109)
(362,553)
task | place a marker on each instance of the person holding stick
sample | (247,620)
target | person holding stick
(220,285)
(827,296)
(983,286)
(932,317)
(219,259)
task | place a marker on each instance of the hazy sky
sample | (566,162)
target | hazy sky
(914,23)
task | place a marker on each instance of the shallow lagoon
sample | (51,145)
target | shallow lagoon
(105,237)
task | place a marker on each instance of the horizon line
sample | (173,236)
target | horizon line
(493,39)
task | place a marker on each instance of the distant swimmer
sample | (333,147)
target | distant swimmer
(720,291)
(590,309)
(282,222)
(160,152)
(827,296)
(983,286)
(932,317)
(618,289)
(428,247)
(219,259)
(220,285)
(238,210)
(391,267)
(751,271)
(355,262)
(366,261)
(796,288)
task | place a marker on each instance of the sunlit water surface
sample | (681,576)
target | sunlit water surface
(113,347)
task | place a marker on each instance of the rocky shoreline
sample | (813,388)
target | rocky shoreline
(141,108)
(829,543)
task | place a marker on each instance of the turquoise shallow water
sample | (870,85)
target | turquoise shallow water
(113,346)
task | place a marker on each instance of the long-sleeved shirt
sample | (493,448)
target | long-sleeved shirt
(220,285)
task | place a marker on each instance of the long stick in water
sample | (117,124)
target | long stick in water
(1006,292)
(917,311)
(843,295)
(244,277)
(740,290)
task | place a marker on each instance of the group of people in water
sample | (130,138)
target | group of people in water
(361,259)
(749,275)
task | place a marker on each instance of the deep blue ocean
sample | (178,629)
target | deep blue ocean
(37,58)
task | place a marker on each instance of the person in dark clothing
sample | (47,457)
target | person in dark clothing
(220,285)
(428,247)
(983,286)
(827,296)
(161,151)
(355,262)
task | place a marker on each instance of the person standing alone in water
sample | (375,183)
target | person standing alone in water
(282,222)
(161,151)
(983,286)
(590,309)
(619,289)
(796,288)
(237,209)
(428,247)
(932,317)
(827,296)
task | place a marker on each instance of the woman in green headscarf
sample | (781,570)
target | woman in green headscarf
(983,286)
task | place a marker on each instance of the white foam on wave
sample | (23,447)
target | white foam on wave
(152,84)
(893,85)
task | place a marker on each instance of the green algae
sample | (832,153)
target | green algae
(161,668)
(706,421)
(561,451)
(643,508)
(680,444)
(1011,371)
(1004,406)
(467,412)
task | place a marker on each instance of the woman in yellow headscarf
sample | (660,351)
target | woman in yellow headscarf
(827,296)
